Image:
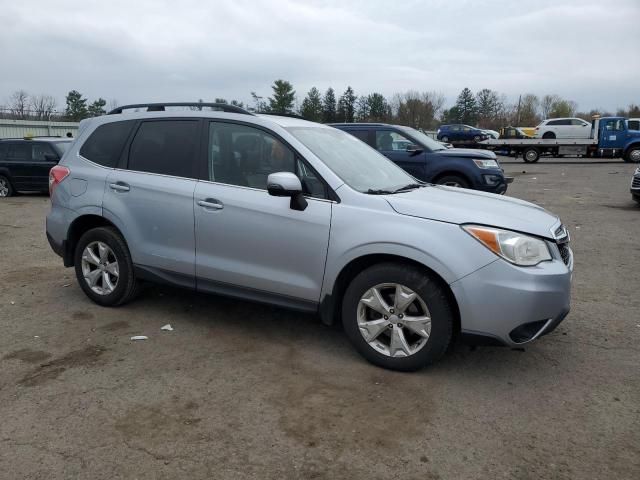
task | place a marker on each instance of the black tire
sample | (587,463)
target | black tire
(445,139)
(430,291)
(476,138)
(531,155)
(127,285)
(453,181)
(6,189)
(632,155)
(549,135)
(636,198)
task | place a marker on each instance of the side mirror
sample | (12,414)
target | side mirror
(286,184)
(414,149)
(50,157)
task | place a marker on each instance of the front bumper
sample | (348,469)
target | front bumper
(513,305)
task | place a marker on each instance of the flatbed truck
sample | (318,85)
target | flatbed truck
(610,137)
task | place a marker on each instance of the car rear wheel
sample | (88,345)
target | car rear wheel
(548,135)
(397,316)
(531,155)
(6,190)
(636,198)
(445,139)
(453,181)
(476,138)
(633,155)
(104,268)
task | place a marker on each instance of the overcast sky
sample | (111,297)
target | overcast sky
(135,51)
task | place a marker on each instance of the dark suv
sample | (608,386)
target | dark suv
(456,134)
(25,163)
(429,160)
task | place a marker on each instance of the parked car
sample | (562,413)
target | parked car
(513,132)
(25,163)
(430,161)
(302,215)
(461,133)
(491,133)
(563,128)
(635,185)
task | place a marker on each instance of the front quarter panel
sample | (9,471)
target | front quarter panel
(373,227)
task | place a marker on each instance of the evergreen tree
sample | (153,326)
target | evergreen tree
(379,110)
(97,108)
(76,106)
(283,97)
(362,108)
(312,108)
(329,106)
(466,107)
(347,106)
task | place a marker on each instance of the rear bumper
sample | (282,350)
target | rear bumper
(513,305)
(58,247)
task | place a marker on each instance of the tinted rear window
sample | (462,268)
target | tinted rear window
(106,142)
(167,147)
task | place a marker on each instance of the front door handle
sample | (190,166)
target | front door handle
(119,187)
(211,203)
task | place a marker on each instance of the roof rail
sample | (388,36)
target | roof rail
(161,107)
(290,115)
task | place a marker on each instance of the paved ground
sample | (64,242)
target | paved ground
(246,391)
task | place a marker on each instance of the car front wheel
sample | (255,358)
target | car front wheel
(104,268)
(453,181)
(6,190)
(397,316)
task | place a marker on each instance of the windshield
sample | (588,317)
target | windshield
(61,147)
(358,165)
(424,139)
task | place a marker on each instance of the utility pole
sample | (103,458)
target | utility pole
(519,100)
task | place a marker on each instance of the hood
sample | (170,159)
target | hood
(467,153)
(455,205)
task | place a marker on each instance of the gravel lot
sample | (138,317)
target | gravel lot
(239,390)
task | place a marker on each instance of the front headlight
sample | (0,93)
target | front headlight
(517,248)
(481,163)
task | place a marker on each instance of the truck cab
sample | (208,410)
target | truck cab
(615,138)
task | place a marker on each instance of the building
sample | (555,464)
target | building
(36,128)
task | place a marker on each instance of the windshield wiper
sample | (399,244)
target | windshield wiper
(379,191)
(409,186)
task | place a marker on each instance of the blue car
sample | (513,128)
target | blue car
(429,160)
(461,134)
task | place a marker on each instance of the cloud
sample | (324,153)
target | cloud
(185,50)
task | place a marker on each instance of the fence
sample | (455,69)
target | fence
(36,128)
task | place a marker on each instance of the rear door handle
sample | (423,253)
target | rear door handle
(119,187)
(211,203)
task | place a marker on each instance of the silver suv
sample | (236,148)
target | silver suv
(302,215)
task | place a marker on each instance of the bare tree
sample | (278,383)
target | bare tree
(19,104)
(43,106)
(547,103)
(417,109)
(113,104)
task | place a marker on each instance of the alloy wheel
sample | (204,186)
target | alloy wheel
(394,320)
(100,268)
(4,187)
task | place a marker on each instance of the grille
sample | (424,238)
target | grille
(636,182)
(565,252)
(562,238)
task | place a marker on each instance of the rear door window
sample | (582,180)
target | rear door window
(39,152)
(18,151)
(360,135)
(105,144)
(166,147)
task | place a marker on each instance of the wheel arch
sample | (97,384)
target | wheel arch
(634,144)
(330,305)
(78,227)
(456,173)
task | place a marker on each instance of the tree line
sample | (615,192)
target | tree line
(425,110)
(22,106)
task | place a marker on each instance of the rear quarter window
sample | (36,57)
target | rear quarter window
(105,144)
